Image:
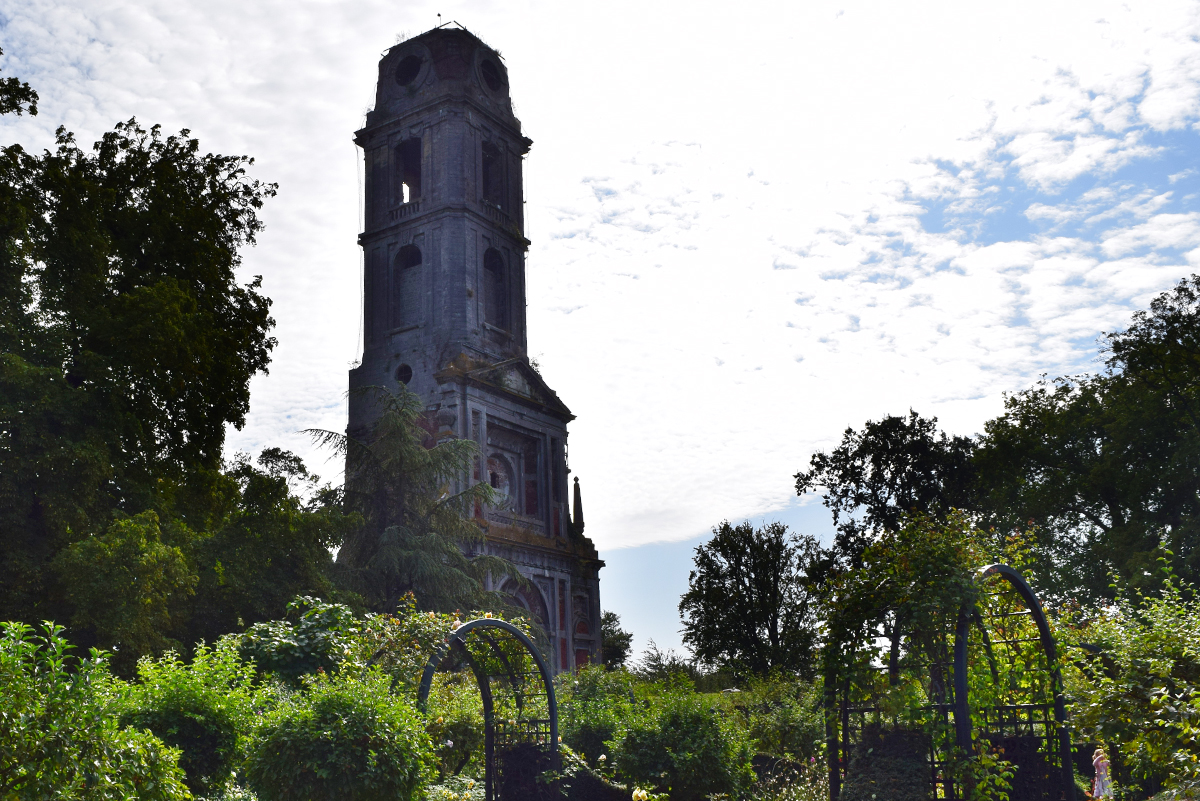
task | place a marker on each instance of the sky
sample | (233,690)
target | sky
(754,225)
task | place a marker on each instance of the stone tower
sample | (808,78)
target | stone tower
(444,313)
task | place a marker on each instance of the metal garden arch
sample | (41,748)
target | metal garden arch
(962,712)
(493,664)
(1022,708)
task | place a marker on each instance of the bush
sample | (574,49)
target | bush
(684,745)
(595,705)
(60,737)
(783,717)
(205,709)
(314,636)
(1136,687)
(343,737)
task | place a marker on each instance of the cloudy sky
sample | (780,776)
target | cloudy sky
(753,224)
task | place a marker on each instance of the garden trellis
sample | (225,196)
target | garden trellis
(991,677)
(519,708)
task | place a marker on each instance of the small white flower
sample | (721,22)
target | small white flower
(449,743)
(603,758)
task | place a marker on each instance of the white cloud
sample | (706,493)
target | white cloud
(731,261)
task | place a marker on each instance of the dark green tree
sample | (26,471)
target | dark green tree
(418,534)
(16,96)
(1108,465)
(890,469)
(615,642)
(126,343)
(751,603)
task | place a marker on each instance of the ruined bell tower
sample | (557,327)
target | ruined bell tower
(444,313)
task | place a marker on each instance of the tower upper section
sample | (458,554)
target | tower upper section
(444,241)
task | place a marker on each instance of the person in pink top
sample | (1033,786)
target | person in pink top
(1101,785)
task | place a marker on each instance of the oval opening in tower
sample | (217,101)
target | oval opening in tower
(492,75)
(404,374)
(408,69)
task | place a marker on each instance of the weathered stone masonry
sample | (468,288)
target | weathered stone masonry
(444,312)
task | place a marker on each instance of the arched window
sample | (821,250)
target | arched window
(406,285)
(495,289)
(493,175)
(408,171)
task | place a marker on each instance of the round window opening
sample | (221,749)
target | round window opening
(491,75)
(408,69)
(404,374)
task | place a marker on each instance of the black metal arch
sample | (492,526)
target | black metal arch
(962,707)
(457,641)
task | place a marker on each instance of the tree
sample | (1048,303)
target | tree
(122,585)
(126,343)
(16,96)
(751,602)
(1108,465)
(891,468)
(271,543)
(909,588)
(615,642)
(417,533)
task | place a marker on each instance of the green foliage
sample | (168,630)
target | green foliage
(206,709)
(594,707)
(126,344)
(892,468)
(60,737)
(314,637)
(616,642)
(683,744)
(1107,464)
(1137,685)
(125,585)
(16,97)
(985,776)
(751,604)
(783,717)
(787,781)
(272,529)
(888,764)
(418,530)
(343,737)
(910,588)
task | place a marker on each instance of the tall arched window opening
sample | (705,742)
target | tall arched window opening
(406,287)
(495,289)
(408,170)
(493,175)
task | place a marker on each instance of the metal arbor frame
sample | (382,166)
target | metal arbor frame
(962,710)
(840,716)
(535,730)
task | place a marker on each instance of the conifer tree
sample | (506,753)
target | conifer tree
(418,534)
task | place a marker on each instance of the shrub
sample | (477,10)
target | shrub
(60,738)
(595,705)
(314,636)
(683,744)
(205,709)
(342,737)
(783,717)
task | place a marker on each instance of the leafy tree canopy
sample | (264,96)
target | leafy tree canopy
(1108,464)
(890,469)
(127,343)
(616,642)
(751,603)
